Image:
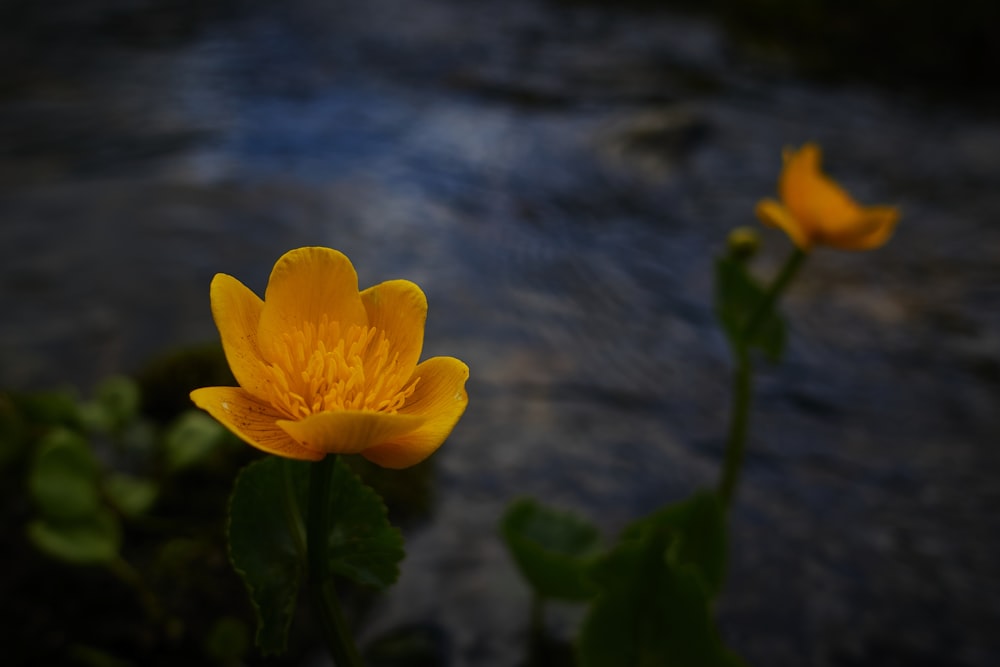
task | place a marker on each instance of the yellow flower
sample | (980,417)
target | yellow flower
(816,211)
(326,369)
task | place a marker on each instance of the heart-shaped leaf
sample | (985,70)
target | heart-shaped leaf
(737,297)
(133,496)
(267,544)
(552,549)
(192,438)
(64,478)
(655,587)
(697,532)
(87,540)
(364,546)
(267,538)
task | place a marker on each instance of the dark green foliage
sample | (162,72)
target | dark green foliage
(267,544)
(650,595)
(130,514)
(113,537)
(364,546)
(192,438)
(64,478)
(132,496)
(655,587)
(408,493)
(118,399)
(73,524)
(737,297)
(552,549)
(696,528)
(92,539)
(45,409)
(267,539)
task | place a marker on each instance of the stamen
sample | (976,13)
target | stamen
(319,368)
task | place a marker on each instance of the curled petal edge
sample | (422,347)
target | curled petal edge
(441,397)
(253,421)
(878,223)
(773,214)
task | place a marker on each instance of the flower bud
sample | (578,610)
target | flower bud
(743,243)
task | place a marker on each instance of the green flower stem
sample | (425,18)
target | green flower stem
(743,378)
(738,420)
(292,510)
(765,307)
(320,582)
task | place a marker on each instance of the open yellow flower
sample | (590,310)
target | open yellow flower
(814,210)
(326,369)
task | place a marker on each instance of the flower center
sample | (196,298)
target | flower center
(321,368)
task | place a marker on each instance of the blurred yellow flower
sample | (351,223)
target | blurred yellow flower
(814,210)
(326,369)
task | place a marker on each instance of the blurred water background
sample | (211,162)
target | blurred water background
(558,177)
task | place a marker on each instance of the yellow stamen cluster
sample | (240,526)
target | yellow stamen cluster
(320,368)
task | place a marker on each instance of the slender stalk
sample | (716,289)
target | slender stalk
(743,379)
(738,420)
(293,511)
(320,582)
(766,305)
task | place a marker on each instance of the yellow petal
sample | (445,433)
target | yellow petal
(440,397)
(305,285)
(873,229)
(349,431)
(818,204)
(399,309)
(252,421)
(773,214)
(236,310)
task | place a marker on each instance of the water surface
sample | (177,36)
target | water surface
(558,180)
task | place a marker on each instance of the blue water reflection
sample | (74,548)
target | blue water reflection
(558,179)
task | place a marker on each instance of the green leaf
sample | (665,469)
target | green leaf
(74,525)
(267,544)
(655,586)
(63,479)
(132,495)
(737,296)
(93,418)
(364,546)
(192,438)
(697,531)
(87,540)
(139,437)
(119,397)
(552,549)
(115,405)
(267,538)
(56,408)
